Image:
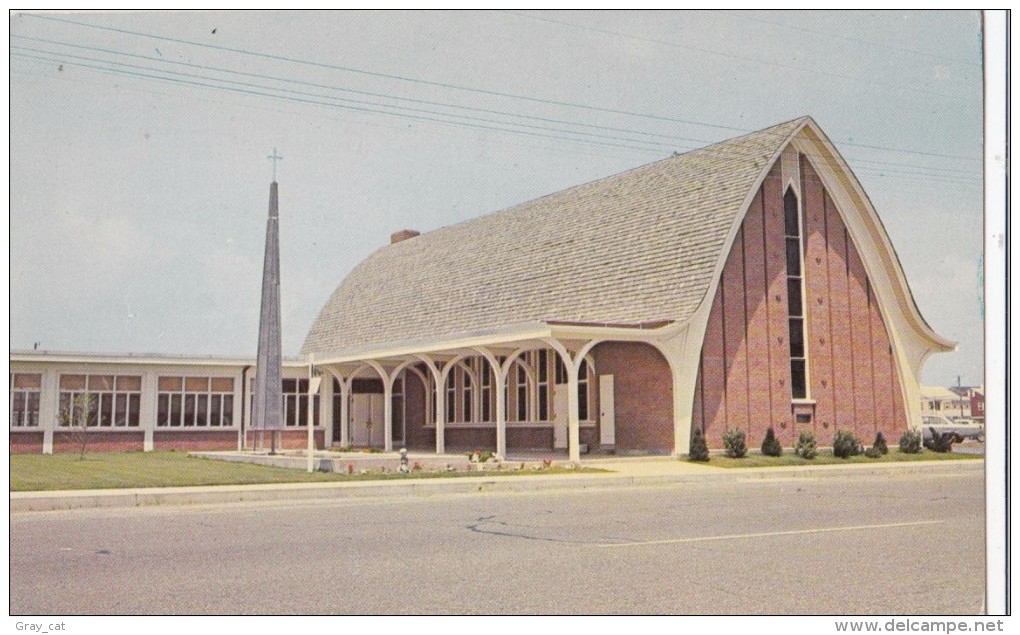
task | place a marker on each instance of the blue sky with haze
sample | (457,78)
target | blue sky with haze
(139,179)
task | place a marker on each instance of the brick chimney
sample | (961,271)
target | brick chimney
(403,234)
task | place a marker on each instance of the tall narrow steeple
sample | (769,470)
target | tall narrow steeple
(267,411)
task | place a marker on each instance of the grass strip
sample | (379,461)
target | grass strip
(827,458)
(120,470)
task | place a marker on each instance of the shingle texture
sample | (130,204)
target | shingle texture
(636,247)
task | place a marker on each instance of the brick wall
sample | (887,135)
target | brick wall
(744,375)
(26,442)
(643,396)
(288,439)
(187,440)
(99,441)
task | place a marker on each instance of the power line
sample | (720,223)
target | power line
(751,60)
(830,35)
(454,86)
(358,92)
(348,69)
(258,93)
(586,151)
(258,87)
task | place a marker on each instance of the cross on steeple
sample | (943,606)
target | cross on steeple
(274,158)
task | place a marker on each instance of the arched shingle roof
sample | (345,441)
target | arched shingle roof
(632,248)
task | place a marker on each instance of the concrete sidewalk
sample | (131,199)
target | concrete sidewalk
(622,472)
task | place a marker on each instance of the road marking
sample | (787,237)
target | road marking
(795,532)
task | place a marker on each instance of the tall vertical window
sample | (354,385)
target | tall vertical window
(195,402)
(543,385)
(24,406)
(468,398)
(451,394)
(432,398)
(582,391)
(521,390)
(487,414)
(794,293)
(116,399)
(397,411)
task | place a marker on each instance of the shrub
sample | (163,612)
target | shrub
(770,446)
(483,455)
(699,449)
(910,442)
(845,444)
(880,444)
(736,443)
(806,448)
(872,452)
(940,442)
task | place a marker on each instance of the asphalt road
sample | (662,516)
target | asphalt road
(861,544)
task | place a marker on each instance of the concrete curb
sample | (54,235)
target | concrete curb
(227,494)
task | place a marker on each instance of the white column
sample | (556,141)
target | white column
(148,406)
(49,407)
(573,415)
(500,371)
(573,363)
(326,409)
(440,415)
(345,413)
(439,377)
(500,411)
(683,366)
(388,414)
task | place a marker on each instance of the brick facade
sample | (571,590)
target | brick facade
(643,392)
(744,378)
(26,442)
(187,441)
(100,441)
(288,439)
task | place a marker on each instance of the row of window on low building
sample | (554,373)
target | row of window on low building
(114,401)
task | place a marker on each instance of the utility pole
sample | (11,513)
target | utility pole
(959,389)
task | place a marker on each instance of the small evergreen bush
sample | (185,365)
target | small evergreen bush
(880,444)
(770,446)
(699,449)
(807,447)
(845,444)
(736,443)
(873,453)
(941,443)
(910,442)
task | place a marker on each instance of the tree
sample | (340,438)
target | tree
(78,415)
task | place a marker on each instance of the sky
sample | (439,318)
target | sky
(139,177)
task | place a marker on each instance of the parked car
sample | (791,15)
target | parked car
(962,428)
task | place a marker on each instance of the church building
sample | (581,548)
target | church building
(743,285)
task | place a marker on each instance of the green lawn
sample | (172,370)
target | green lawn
(115,470)
(825,457)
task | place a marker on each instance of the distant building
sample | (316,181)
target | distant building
(977,404)
(744,285)
(952,402)
(974,398)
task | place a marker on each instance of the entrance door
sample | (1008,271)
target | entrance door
(367,420)
(562,417)
(607,413)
